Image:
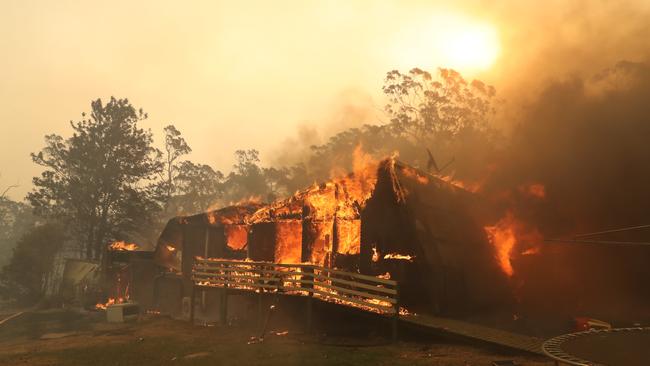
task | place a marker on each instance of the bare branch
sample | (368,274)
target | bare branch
(4,193)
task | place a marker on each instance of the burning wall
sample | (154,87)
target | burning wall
(445,261)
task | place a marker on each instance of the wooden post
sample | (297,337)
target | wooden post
(310,305)
(192,296)
(224,304)
(310,297)
(395,319)
(205,256)
(223,317)
(260,309)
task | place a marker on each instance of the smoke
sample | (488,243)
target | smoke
(542,44)
(585,139)
(351,108)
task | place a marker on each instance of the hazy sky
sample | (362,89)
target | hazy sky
(242,74)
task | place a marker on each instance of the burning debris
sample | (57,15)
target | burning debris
(121,245)
(127,274)
(403,257)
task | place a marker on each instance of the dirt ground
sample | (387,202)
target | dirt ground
(66,337)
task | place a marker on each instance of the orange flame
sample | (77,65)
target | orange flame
(502,237)
(288,241)
(359,185)
(509,233)
(109,302)
(123,246)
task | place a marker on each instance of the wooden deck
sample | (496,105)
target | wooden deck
(477,332)
(367,293)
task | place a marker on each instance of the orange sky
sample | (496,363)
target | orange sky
(236,75)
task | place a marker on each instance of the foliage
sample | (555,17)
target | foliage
(197,187)
(422,107)
(247,178)
(175,147)
(27,274)
(96,180)
(446,114)
(15,219)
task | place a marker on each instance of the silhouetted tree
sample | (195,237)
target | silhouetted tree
(198,187)
(247,178)
(15,219)
(175,147)
(422,107)
(26,276)
(99,180)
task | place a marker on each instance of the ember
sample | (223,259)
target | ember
(399,256)
(468,186)
(375,254)
(110,301)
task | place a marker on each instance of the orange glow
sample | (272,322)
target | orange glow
(536,190)
(123,246)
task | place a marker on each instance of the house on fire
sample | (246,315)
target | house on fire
(424,232)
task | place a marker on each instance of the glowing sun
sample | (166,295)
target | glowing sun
(449,40)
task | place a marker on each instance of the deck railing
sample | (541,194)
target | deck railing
(365,292)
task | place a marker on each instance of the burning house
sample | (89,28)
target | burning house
(386,219)
(451,251)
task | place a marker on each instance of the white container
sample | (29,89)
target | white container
(119,313)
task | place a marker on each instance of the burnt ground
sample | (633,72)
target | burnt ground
(67,337)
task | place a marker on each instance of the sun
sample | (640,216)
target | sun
(473,46)
(451,41)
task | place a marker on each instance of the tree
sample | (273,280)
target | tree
(175,147)
(26,276)
(15,219)
(422,107)
(198,187)
(247,178)
(99,180)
